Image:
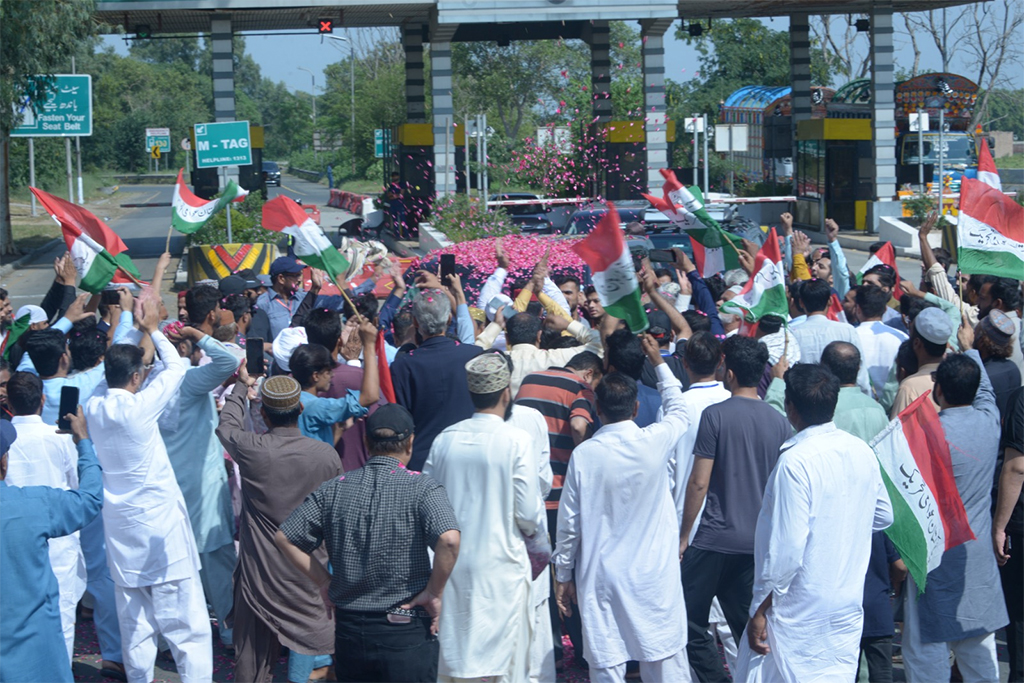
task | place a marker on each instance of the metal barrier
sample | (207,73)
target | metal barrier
(147,179)
(311,176)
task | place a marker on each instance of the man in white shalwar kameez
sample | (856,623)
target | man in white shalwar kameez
(822,502)
(489,469)
(150,546)
(617,528)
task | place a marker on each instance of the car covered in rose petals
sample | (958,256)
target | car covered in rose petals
(529,217)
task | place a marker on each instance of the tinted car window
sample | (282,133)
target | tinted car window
(270,166)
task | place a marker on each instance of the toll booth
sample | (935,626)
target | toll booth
(206,181)
(625,144)
(413,159)
(833,172)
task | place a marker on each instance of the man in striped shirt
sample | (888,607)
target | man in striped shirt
(565,397)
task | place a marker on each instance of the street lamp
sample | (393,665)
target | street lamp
(312,95)
(352,91)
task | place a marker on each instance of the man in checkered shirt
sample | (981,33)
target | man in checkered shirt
(377,523)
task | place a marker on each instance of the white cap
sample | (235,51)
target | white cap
(35,313)
(289,339)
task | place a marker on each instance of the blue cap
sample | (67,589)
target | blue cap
(7,436)
(264,281)
(285,264)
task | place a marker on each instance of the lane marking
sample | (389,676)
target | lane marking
(293,190)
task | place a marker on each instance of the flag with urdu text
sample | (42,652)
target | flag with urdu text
(18,328)
(928,514)
(611,265)
(99,255)
(990,232)
(684,207)
(283,214)
(987,171)
(885,256)
(765,292)
(189,213)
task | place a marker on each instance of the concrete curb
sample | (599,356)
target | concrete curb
(16,264)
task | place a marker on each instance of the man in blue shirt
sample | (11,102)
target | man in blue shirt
(625,355)
(31,642)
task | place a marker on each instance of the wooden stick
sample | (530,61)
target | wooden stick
(130,276)
(170,231)
(960,284)
(731,243)
(342,289)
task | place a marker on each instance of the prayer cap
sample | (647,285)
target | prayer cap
(487,373)
(7,436)
(35,313)
(285,343)
(998,327)
(934,325)
(280,393)
(477,314)
(392,417)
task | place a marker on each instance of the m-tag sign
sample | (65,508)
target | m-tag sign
(223,144)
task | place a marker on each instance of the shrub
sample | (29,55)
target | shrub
(461,219)
(246,224)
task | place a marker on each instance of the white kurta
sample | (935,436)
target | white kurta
(489,470)
(149,538)
(617,527)
(42,457)
(821,504)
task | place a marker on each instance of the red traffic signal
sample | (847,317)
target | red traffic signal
(326,26)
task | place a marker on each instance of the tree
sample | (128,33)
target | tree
(36,37)
(841,46)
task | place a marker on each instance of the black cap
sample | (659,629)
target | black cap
(232,284)
(660,325)
(392,417)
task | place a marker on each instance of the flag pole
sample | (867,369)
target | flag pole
(170,231)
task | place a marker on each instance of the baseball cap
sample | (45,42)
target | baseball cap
(285,264)
(35,313)
(392,417)
(232,284)
(934,325)
(7,436)
(264,281)
(660,325)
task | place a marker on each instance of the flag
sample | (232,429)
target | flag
(835,309)
(685,209)
(765,292)
(97,251)
(282,214)
(611,265)
(987,171)
(928,514)
(990,232)
(387,388)
(189,213)
(884,256)
(18,328)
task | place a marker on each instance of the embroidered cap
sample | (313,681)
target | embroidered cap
(998,327)
(487,373)
(280,393)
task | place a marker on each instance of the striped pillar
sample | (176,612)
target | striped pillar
(415,91)
(598,36)
(883,104)
(443,113)
(799,70)
(654,104)
(222,49)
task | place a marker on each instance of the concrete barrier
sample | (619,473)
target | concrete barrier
(431,239)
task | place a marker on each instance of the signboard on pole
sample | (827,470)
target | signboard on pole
(222,144)
(918,121)
(66,112)
(378,143)
(559,136)
(731,137)
(158,137)
(692,123)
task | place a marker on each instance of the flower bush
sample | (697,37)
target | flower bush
(246,224)
(462,219)
(475,261)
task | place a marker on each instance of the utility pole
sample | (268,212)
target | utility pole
(78,152)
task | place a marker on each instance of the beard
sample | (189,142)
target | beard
(508,411)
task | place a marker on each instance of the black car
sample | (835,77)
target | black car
(271,173)
(530,218)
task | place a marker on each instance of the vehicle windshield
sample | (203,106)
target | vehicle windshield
(958,150)
(270,166)
(670,240)
(523,209)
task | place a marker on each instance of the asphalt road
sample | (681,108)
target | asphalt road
(144,231)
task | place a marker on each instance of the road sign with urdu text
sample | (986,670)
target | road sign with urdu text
(223,144)
(66,112)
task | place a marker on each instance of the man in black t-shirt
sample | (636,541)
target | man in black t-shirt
(1008,529)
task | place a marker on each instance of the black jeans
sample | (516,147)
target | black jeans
(367,647)
(1012,575)
(706,575)
(573,624)
(878,652)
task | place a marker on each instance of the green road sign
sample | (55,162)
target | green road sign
(67,111)
(223,144)
(158,137)
(378,143)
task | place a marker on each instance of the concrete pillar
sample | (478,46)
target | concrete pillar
(800,70)
(883,113)
(415,91)
(223,68)
(443,113)
(597,35)
(655,122)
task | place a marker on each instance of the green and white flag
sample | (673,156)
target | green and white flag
(990,232)
(282,214)
(190,213)
(765,292)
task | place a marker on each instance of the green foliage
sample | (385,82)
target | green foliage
(1012,161)
(1006,112)
(462,219)
(246,224)
(920,205)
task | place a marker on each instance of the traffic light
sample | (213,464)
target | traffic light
(143,31)
(326,26)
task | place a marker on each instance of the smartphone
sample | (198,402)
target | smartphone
(110,297)
(496,303)
(661,256)
(68,404)
(254,356)
(447,267)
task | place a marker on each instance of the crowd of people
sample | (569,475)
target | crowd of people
(437,489)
